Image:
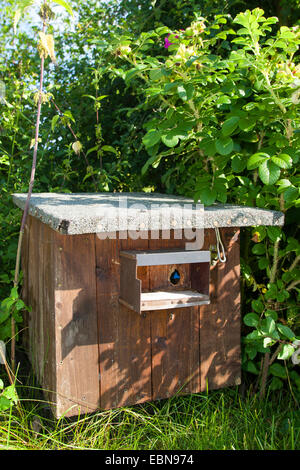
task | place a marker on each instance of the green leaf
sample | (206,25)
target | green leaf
(182,92)
(4,315)
(208,196)
(274,233)
(291,194)
(271,292)
(224,99)
(238,163)
(283,161)
(259,249)
(256,159)
(14,293)
(276,383)
(283,185)
(251,350)
(150,161)
(268,172)
(230,125)
(151,138)
(170,139)
(286,352)
(254,335)
(224,145)
(65,5)
(251,367)
(69,115)
(54,121)
(109,148)
(251,319)
(268,342)
(263,263)
(268,326)
(5,403)
(156,74)
(286,331)
(257,306)
(278,370)
(185,92)
(19,305)
(10,393)
(246,124)
(272,314)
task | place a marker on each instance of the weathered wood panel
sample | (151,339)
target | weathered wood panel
(174,337)
(220,321)
(76,329)
(38,293)
(24,292)
(124,338)
(33,286)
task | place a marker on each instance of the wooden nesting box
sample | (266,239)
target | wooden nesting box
(122,317)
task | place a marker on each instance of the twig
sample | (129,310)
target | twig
(264,375)
(26,208)
(295,262)
(293,284)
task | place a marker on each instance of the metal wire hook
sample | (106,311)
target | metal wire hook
(222,258)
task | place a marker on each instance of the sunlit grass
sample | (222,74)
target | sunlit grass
(219,420)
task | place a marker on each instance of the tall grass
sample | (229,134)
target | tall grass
(218,420)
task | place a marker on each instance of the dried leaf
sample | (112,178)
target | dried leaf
(46,46)
(77,147)
(50,43)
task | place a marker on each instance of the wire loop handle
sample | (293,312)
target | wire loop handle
(222,257)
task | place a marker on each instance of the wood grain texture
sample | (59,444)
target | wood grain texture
(24,291)
(39,324)
(174,337)
(124,338)
(76,327)
(220,321)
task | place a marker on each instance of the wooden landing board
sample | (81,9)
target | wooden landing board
(166,257)
(162,300)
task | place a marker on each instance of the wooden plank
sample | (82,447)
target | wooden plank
(220,321)
(47,311)
(175,339)
(161,300)
(77,354)
(33,280)
(24,334)
(130,286)
(124,339)
(39,295)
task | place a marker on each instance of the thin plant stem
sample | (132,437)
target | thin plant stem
(26,208)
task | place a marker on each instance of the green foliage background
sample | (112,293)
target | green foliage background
(219,123)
